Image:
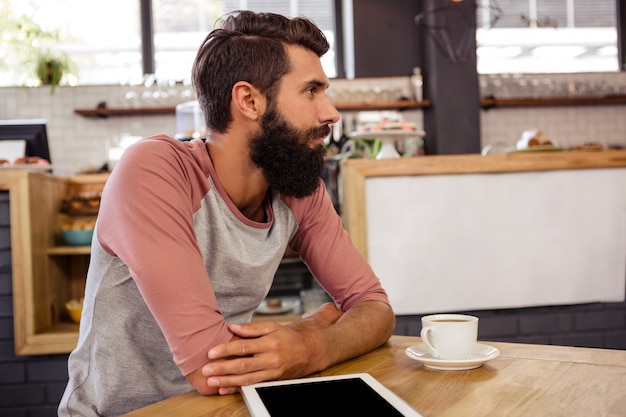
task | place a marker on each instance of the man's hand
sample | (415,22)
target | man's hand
(260,351)
(265,351)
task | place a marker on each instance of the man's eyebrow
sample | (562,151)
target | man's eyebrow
(317,83)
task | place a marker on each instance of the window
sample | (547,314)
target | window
(104,52)
(181,25)
(104,38)
(534,36)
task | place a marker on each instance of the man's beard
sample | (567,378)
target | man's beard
(290,165)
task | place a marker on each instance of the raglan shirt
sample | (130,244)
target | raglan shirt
(173,261)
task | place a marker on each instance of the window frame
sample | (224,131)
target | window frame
(620,9)
(147,36)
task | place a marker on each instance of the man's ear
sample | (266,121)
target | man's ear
(247,100)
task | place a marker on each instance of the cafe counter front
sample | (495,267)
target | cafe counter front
(473,232)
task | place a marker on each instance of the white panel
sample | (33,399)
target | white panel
(464,242)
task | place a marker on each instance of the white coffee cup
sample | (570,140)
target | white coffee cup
(449,336)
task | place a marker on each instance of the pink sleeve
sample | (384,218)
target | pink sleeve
(328,251)
(146,219)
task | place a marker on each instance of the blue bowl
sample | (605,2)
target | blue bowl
(78,237)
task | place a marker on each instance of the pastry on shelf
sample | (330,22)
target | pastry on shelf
(31,160)
(82,203)
(589,146)
(533,138)
(387,125)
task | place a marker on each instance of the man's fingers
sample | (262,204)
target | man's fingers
(256,329)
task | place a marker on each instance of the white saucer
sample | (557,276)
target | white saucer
(287,305)
(481,354)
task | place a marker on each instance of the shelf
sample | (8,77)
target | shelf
(59,338)
(69,250)
(489,103)
(383,105)
(485,103)
(104,113)
(150,111)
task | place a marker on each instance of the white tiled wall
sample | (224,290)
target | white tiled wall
(77,143)
(564,125)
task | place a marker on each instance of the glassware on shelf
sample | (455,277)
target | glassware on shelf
(189,121)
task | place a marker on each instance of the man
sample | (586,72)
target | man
(189,236)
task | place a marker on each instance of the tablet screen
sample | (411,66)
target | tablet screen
(326,399)
(325,396)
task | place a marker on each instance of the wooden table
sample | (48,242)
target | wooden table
(525,380)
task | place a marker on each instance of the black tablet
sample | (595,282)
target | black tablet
(328,396)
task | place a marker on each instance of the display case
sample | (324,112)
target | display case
(46,272)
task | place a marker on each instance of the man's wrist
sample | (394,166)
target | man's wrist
(324,317)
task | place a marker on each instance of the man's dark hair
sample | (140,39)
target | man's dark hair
(248,47)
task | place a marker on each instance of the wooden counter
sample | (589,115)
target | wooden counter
(476,163)
(524,380)
(496,231)
(355,172)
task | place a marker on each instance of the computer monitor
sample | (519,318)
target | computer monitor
(33,131)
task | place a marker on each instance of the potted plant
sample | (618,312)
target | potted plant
(30,51)
(52,66)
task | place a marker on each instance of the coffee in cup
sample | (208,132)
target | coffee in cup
(449,336)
